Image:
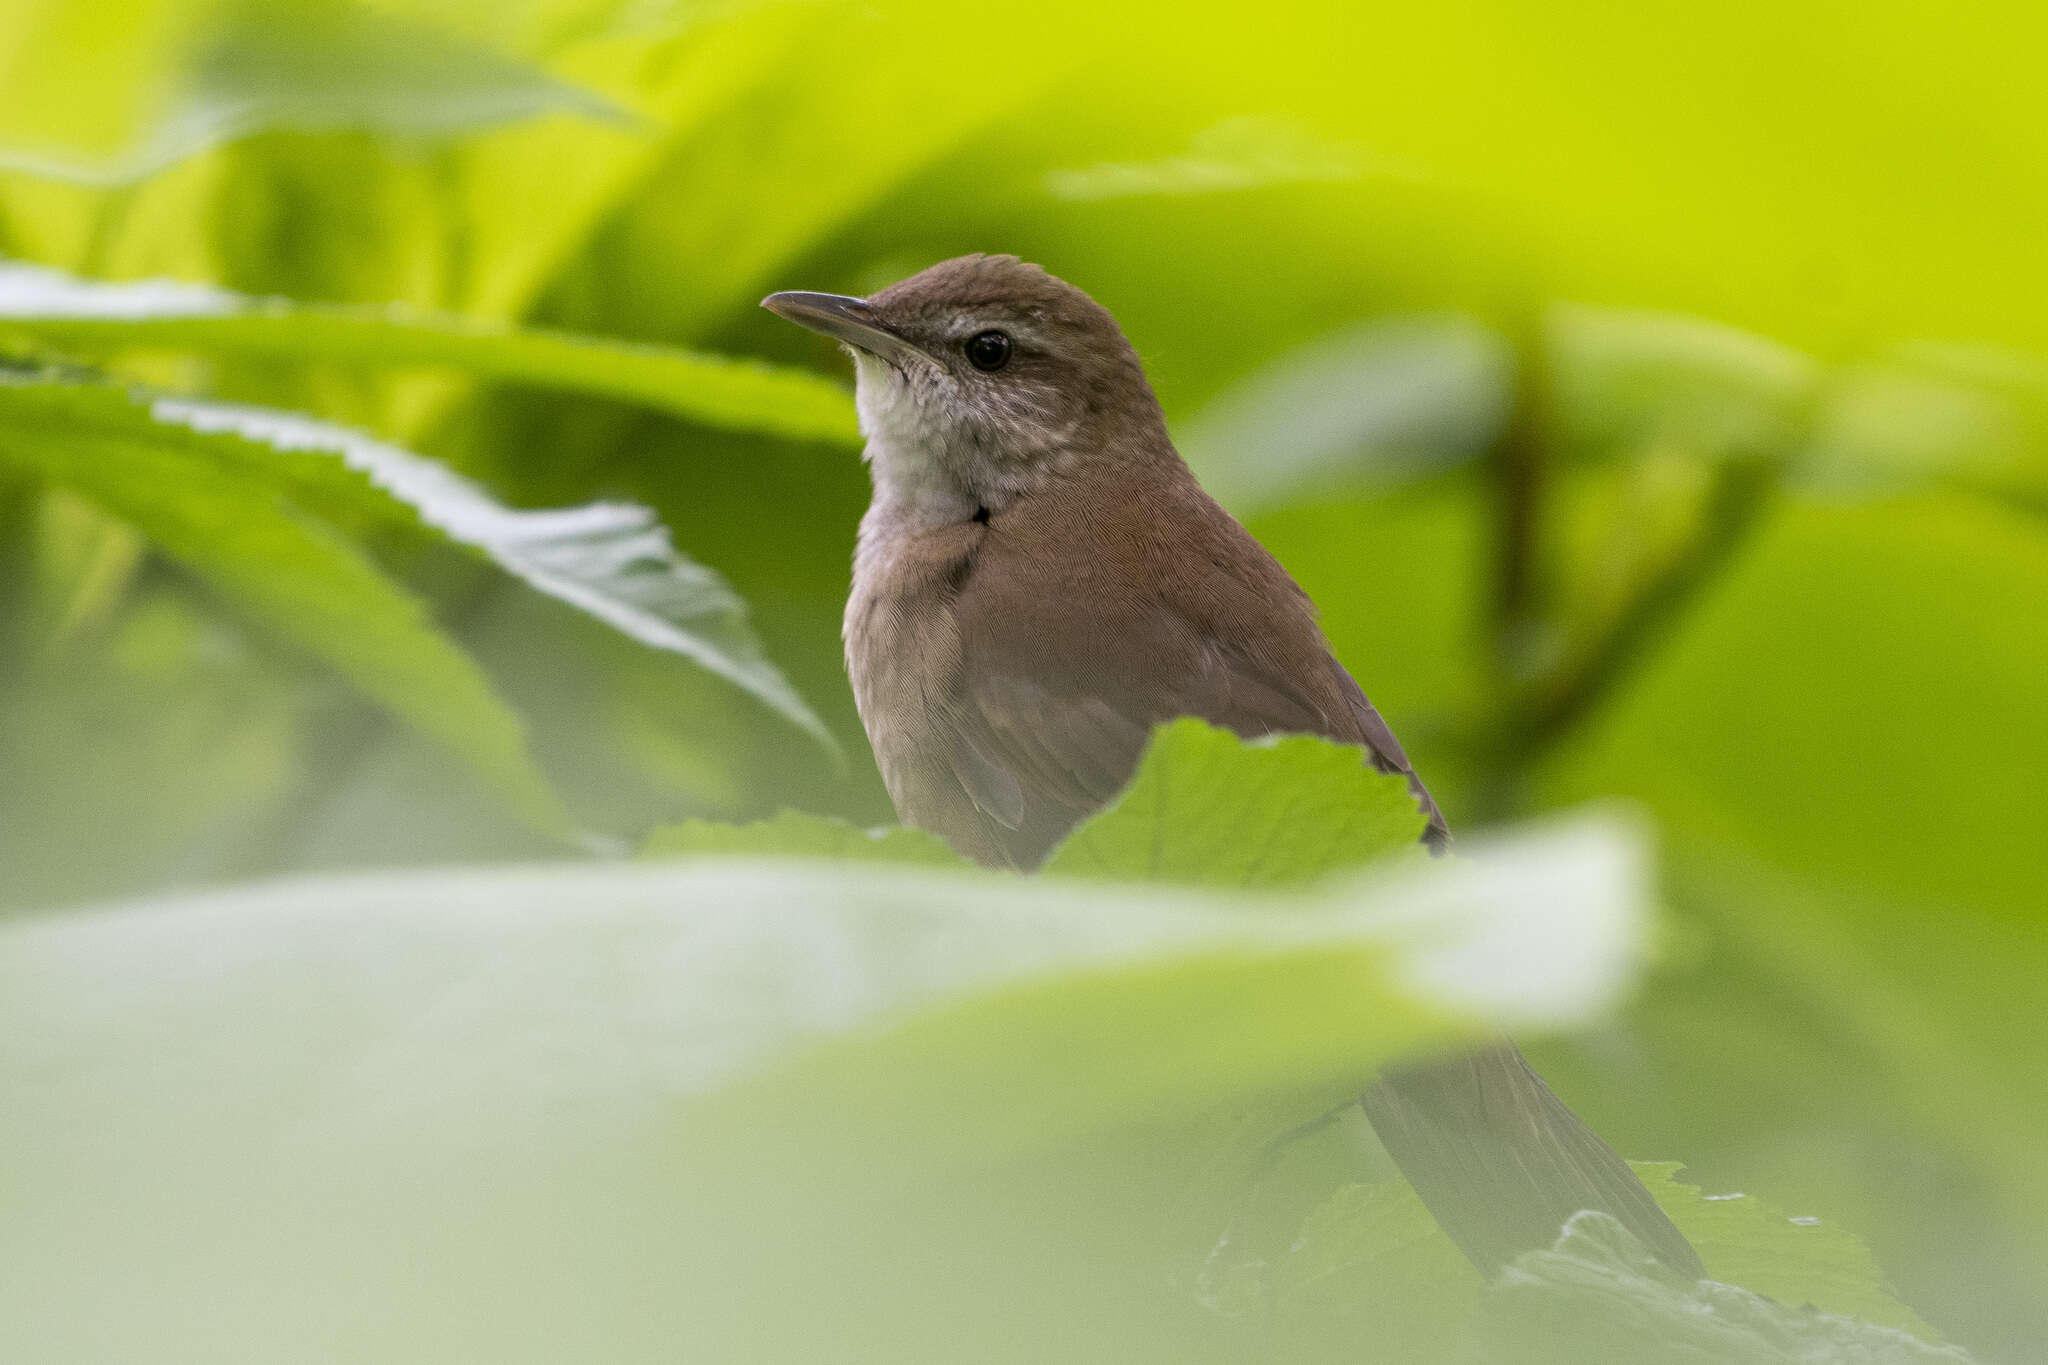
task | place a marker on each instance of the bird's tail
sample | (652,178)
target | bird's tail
(1502,1163)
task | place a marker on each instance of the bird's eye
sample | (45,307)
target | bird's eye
(988,350)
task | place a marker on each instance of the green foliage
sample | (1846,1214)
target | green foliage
(1798,1260)
(749,1060)
(1598,1297)
(611,560)
(282,563)
(55,310)
(793,833)
(1369,1256)
(1203,809)
(246,67)
(1654,410)
(237,494)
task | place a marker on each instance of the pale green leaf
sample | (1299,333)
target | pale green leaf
(1376,402)
(612,560)
(1621,381)
(252,66)
(1209,808)
(1598,1298)
(1796,1259)
(1368,1260)
(769,1106)
(278,561)
(59,310)
(794,833)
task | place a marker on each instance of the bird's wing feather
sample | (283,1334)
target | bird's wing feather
(1069,728)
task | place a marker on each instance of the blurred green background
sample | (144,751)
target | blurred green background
(1655,400)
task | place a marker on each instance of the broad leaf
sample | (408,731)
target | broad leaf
(1207,808)
(769,1106)
(1370,1256)
(610,560)
(63,311)
(249,67)
(1598,1298)
(1796,1259)
(1204,808)
(277,560)
(1375,402)
(796,834)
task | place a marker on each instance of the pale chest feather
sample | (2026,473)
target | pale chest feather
(902,635)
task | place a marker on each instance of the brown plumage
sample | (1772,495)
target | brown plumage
(1040,580)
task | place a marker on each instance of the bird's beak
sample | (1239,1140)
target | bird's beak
(841,317)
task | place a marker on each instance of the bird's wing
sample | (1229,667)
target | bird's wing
(1065,729)
(1387,754)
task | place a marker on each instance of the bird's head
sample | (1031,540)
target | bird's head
(984,377)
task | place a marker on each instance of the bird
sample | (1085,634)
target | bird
(1039,580)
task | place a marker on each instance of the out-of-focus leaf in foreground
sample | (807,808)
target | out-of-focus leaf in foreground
(759,1107)
(92,318)
(797,834)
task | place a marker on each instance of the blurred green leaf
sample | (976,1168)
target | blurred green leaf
(1621,382)
(611,560)
(1376,402)
(276,560)
(1370,1257)
(704,1076)
(1845,747)
(145,739)
(793,833)
(246,66)
(1798,1260)
(1972,417)
(1598,1298)
(94,318)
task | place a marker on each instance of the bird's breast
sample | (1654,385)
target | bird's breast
(903,647)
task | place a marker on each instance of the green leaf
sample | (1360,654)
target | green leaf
(1370,1257)
(797,834)
(1799,1259)
(1973,417)
(1598,1297)
(806,1103)
(1206,807)
(611,560)
(1844,748)
(303,66)
(1623,381)
(277,560)
(1376,402)
(159,720)
(59,310)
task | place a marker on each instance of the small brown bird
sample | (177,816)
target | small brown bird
(1040,580)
